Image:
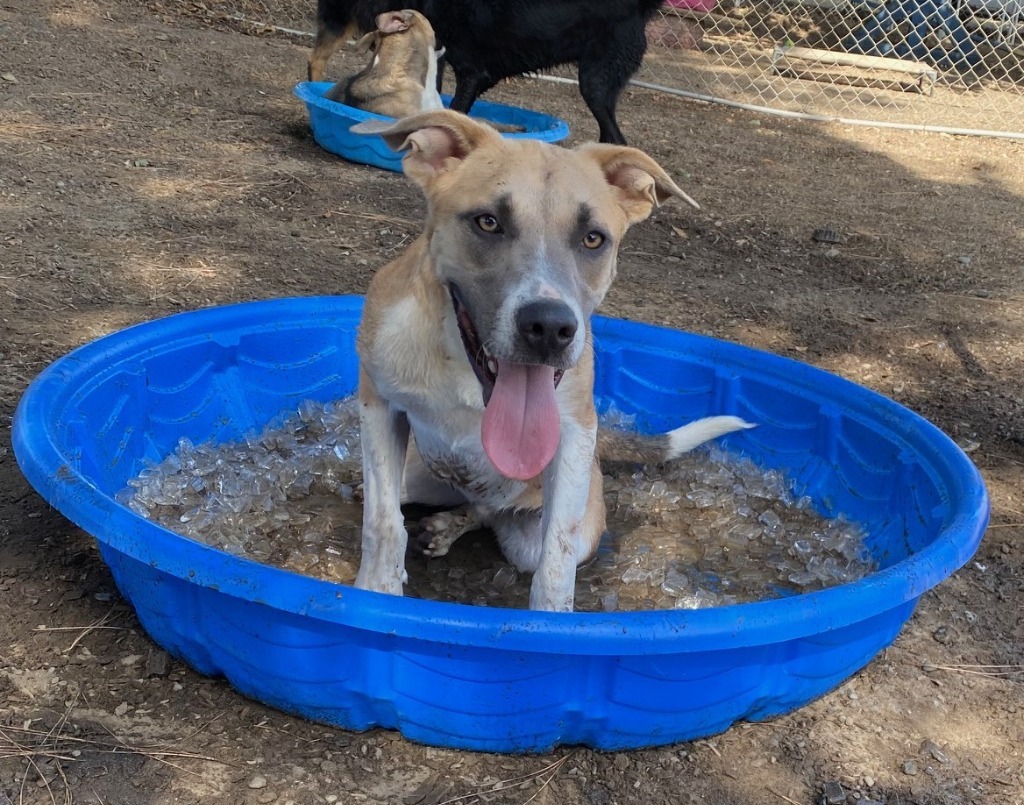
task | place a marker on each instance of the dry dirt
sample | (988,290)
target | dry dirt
(150,163)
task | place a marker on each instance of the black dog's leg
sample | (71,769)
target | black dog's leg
(603,73)
(335,19)
(600,96)
(467,89)
(327,41)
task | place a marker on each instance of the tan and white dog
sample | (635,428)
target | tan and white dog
(401,78)
(477,341)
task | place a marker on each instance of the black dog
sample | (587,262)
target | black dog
(490,40)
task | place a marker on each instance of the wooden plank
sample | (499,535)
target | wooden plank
(852,60)
(854,80)
(720,21)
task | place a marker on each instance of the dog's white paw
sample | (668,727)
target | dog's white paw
(435,534)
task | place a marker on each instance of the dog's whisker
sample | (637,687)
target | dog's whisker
(485,352)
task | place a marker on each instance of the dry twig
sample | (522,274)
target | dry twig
(511,782)
(990,671)
(387,219)
(547,782)
(783,796)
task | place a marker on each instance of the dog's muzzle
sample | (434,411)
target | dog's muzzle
(542,330)
(520,425)
(547,328)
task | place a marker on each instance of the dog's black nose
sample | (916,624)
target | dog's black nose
(547,327)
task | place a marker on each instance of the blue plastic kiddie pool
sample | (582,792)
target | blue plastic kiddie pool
(331,121)
(485,678)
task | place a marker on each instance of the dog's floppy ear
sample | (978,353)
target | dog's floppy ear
(435,142)
(365,42)
(394,22)
(639,182)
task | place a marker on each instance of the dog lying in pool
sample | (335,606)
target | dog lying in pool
(477,342)
(401,78)
(487,42)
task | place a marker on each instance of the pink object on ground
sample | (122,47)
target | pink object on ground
(693,5)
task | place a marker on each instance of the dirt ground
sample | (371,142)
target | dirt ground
(151,164)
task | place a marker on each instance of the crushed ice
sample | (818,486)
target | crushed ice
(706,530)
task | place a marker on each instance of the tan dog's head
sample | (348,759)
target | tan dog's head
(524,237)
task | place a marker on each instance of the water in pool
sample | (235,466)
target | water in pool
(709,529)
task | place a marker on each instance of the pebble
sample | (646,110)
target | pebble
(158,663)
(266,797)
(258,782)
(933,749)
(869,782)
(910,768)
(121,709)
(833,793)
(943,635)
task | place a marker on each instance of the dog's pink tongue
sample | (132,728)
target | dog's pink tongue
(520,427)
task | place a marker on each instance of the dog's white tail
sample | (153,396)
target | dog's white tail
(684,439)
(617,445)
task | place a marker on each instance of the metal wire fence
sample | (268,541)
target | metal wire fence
(948,65)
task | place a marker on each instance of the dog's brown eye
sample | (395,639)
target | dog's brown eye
(593,240)
(488,223)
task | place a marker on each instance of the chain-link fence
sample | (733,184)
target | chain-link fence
(950,65)
(945,64)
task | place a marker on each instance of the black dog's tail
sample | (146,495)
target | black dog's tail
(617,445)
(338,20)
(351,16)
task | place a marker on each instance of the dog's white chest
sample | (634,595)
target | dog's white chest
(425,374)
(456,456)
(431,99)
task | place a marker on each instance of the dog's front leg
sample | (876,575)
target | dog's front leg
(567,489)
(385,437)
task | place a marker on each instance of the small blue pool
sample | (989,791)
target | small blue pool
(331,122)
(482,678)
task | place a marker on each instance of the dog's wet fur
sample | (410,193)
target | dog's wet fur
(476,342)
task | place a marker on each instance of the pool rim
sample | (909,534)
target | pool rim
(555,129)
(617,633)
